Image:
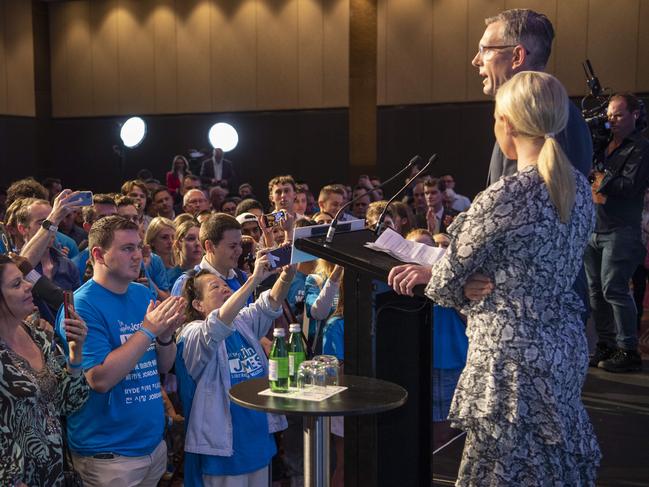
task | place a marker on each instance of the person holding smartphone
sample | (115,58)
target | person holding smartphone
(36,385)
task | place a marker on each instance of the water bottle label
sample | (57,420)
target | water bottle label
(272,369)
(282,367)
(294,361)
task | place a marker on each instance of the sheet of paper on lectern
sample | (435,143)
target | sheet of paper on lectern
(404,250)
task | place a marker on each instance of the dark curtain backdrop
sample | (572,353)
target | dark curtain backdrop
(309,144)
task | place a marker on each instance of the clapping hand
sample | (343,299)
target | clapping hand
(162,319)
(477,287)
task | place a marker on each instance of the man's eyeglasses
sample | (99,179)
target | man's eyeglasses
(482,50)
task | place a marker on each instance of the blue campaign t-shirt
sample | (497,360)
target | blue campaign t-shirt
(80,260)
(253,446)
(450,343)
(333,337)
(158,273)
(128,419)
(62,240)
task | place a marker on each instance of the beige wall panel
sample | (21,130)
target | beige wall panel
(409,56)
(233,55)
(277,54)
(570,45)
(613,42)
(136,36)
(19,58)
(165,57)
(193,33)
(79,65)
(310,55)
(335,60)
(58,59)
(642,78)
(546,7)
(104,16)
(451,54)
(3,60)
(478,10)
(381,51)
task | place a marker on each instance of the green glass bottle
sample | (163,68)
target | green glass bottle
(278,362)
(296,353)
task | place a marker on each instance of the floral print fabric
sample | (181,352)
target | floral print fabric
(519,396)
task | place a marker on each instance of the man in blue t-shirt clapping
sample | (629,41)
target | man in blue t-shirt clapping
(117,437)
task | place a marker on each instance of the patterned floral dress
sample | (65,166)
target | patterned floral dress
(519,396)
(31,403)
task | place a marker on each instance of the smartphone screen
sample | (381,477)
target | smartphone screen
(280,257)
(84,198)
(272,219)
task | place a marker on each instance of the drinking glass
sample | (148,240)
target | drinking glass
(331,367)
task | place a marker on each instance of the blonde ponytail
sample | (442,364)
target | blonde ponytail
(536,105)
(557,173)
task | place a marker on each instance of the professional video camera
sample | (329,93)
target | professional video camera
(593,108)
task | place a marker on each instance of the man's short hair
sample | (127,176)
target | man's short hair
(193,190)
(128,186)
(375,209)
(158,190)
(102,232)
(23,213)
(26,188)
(248,204)
(215,226)
(89,213)
(633,103)
(529,28)
(121,201)
(433,183)
(245,185)
(192,177)
(329,189)
(287,179)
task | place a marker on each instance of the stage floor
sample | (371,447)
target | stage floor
(618,405)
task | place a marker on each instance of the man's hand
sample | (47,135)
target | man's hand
(62,205)
(477,287)
(163,319)
(431,220)
(404,278)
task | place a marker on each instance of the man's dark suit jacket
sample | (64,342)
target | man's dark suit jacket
(207,173)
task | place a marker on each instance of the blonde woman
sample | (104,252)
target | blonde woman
(186,248)
(519,396)
(158,254)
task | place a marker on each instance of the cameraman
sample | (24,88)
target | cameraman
(615,248)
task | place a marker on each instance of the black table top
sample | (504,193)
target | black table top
(363,395)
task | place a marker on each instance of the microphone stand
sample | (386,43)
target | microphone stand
(334,223)
(380,223)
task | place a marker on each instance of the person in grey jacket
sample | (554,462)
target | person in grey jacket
(226,444)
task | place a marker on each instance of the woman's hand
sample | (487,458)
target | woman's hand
(477,287)
(76,331)
(404,278)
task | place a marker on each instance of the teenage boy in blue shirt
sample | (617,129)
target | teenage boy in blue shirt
(117,437)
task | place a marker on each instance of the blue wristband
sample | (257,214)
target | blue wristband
(147,333)
(74,366)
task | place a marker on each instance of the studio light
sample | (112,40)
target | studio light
(223,136)
(132,132)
